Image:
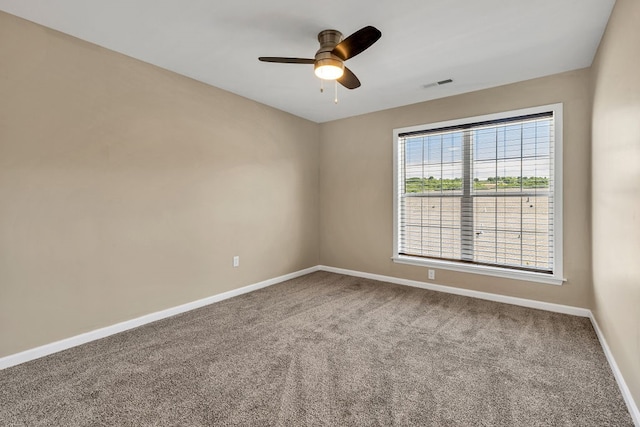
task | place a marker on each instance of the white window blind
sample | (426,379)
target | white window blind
(480,193)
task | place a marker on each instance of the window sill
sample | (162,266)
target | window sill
(528,276)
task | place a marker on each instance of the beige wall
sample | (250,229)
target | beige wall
(126,189)
(356,196)
(616,189)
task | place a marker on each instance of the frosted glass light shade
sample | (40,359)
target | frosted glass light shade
(329,72)
(329,69)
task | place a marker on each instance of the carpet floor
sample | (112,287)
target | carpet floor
(328,349)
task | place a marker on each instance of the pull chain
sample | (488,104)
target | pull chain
(335,98)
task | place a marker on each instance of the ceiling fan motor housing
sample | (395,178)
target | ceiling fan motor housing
(328,40)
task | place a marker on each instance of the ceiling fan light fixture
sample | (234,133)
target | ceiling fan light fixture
(329,59)
(329,69)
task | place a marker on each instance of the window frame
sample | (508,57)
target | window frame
(557,277)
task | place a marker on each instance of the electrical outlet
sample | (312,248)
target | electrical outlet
(236,261)
(432,275)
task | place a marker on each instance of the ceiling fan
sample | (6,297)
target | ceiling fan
(329,59)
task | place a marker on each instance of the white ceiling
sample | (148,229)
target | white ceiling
(477,43)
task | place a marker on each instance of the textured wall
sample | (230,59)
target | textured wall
(356,195)
(616,189)
(126,189)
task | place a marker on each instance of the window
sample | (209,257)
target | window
(482,194)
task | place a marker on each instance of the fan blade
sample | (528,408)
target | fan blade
(357,42)
(286,60)
(349,80)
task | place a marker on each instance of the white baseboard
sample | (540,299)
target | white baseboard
(547,306)
(624,389)
(558,308)
(45,350)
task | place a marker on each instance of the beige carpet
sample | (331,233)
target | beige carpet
(327,349)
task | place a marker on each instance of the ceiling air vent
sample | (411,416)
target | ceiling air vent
(434,84)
